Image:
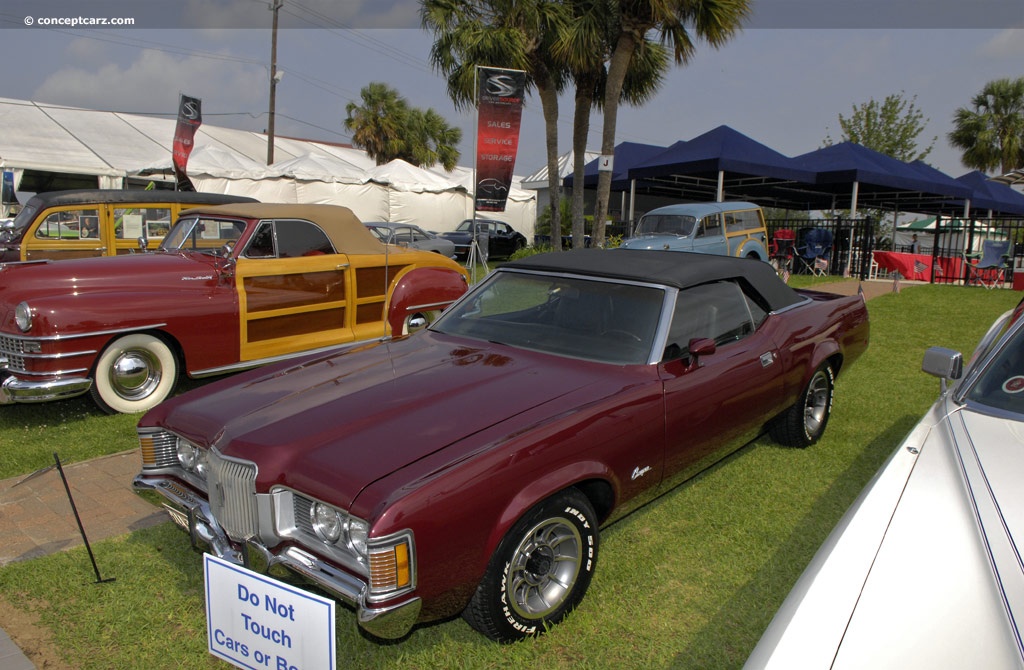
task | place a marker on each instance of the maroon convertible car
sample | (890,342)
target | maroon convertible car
(469,467)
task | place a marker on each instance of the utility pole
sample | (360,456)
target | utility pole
(275,5)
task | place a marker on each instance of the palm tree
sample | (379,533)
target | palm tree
(514,34)
(992,134)
(377,126)
(585,47)
(679,23)
(386,127)
(431,140)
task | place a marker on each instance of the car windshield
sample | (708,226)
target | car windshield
(666,224)
(608,322)
(15,228)
(1001,384)
(467,225)
(202,234)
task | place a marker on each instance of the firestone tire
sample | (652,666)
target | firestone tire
(133,374)
(540,571)
(804,423)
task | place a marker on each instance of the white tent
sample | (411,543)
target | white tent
(953,238)
(66,147)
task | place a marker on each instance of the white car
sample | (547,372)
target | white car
(925,569)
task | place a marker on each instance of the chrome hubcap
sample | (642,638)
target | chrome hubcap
(817,403)
(135,374)
(544,568)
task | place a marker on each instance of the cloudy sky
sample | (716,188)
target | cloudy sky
(783,81)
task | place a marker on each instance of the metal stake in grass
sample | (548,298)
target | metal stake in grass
(78,519)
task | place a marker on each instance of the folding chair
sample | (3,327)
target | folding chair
(782,250)
(990,270)
(816,251)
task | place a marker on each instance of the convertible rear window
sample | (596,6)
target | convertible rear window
(596,320)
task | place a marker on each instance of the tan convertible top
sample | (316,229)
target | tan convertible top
(346,231)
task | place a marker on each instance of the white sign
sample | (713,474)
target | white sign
(606,163)
(258,623)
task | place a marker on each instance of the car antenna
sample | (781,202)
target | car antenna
(387,305)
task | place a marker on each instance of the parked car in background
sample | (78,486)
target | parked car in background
(502,239)
(924,570)
(230,287)
(62,225)
(407,235)
(723,228)
(469,467)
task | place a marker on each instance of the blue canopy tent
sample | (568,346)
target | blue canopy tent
(721,164)
(986,194)
(853,175)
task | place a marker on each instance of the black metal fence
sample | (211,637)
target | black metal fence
(947,251)
(849,252)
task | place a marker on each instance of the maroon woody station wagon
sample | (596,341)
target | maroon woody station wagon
(468,467)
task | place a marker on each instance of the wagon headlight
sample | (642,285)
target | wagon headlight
(328,523)
(23,317)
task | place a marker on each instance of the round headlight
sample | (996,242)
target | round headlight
(23,316)
(357,532)
(327,522)
(202,464)
(187,454)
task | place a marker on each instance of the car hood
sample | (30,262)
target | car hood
(22,281)
(921,571)
(332,424)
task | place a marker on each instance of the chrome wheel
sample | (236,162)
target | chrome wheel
(817,402)
(544,568)
(134,373)
(540,571)
(804,422)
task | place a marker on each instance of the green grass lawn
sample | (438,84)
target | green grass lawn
(689,581)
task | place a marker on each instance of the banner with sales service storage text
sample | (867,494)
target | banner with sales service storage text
(189,119)
(499,111)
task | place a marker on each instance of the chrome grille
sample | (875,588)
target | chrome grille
(11,345)
(232,491)
(302,507)
(12,349)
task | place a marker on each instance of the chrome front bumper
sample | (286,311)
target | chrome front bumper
(16,390)
(193,515)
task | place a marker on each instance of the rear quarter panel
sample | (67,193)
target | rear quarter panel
(828,327)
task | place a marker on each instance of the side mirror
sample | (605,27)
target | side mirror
(946,364)
(142,244)
(699,346)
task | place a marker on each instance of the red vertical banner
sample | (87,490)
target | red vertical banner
(499,112)
(189,119)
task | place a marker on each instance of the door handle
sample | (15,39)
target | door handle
(343,266)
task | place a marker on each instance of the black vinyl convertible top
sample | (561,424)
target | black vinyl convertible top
(680,269)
